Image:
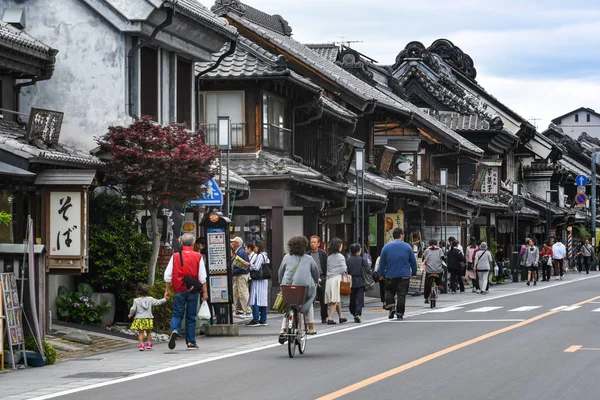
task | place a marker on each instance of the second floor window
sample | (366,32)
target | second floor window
(149,82)
(276,128)
(576,117)
(184,91)
(223,104)
(588,118)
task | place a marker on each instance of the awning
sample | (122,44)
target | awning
(66,177)
(11,170)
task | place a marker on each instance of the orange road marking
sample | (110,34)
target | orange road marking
(395,371)
(572,349)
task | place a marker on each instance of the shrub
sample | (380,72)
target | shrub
(162,314)
(49,351)
(119,252)
(78,306)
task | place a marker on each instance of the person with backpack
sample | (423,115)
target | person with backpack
(587,252)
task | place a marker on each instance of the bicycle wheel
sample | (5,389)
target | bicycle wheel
(301,336)
(434,295)
(291,332)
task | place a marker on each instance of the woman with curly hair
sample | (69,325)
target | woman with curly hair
(336,267)
(298,268)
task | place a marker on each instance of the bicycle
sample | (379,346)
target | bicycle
(296,333)
(435,290)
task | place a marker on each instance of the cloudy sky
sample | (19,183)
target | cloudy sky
(541,58)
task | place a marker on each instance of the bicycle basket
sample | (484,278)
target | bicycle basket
(294,295)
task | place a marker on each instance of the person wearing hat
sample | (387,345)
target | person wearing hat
(241,279)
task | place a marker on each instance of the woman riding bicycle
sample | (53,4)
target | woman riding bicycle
(298,268)
(433,258)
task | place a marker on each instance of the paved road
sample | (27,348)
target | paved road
(495,348)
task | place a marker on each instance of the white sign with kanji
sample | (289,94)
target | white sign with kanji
(490,183)
(65,223)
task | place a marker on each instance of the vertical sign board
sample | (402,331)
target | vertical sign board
(13,319)
(219,267)
(392,221)
(490,184)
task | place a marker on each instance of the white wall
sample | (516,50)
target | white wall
(88,84)
(575,129)
(54,282)
(292,226)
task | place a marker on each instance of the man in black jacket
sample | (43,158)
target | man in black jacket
(320,257)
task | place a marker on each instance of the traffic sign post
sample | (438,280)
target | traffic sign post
(581,180)
(581,198)
(212,196)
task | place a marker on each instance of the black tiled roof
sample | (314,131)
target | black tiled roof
(261,165)
(274,22)
(22,40)
(195,10)
(326,50)
(12,140)
(462,196)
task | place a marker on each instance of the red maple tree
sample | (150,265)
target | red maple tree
(153,162)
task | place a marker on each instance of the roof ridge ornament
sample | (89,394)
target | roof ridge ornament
(454,56)
(222,7)
(351,61)
(416,50)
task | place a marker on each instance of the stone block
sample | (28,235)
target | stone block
(78,337)
(108,316)
(222,330)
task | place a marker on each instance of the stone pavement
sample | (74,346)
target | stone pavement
(80,370)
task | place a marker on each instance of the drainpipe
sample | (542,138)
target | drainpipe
(47,74)
(311,103)
(232,46)
(168,21)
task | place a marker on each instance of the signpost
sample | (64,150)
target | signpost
(581,198)
(212,197)
(581,180)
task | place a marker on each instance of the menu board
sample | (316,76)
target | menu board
(12,310)
(217,251)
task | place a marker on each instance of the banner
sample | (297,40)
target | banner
(393,221)
(373,230)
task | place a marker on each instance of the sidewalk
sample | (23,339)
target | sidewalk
(109,364)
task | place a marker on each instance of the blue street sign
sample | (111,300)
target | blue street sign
(581,180)
(581,198)
(212,196)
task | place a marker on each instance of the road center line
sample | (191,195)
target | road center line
(395,371)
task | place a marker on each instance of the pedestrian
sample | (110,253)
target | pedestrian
(241,279)
(546,260)
(336,267)
(578,256)
(200,246)
(587,252)
(320,257)
(470,273)
(355,265)
(483,262)
(141,312)
(559,253)
(532,258)
(259,288)
(190,263)
(397,265)
(499,269)
(249,248)
(433,258)
(456,261)
(298,268)
(380,280)
(451,240)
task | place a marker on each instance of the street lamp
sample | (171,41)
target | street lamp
(360,169)
(444,205)
(224,143)
(515,258)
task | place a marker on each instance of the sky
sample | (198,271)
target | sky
(541,58)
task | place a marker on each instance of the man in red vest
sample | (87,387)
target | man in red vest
(185,300)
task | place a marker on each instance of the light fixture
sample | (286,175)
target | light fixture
(224,125)
(444,176)
(359,160)
(515,190)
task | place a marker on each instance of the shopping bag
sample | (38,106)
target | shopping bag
(279,305)
(204,312)
(368,278)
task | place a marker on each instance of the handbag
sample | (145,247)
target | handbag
(263,273)
(346,285)
(368,278)
(190,283)
(279,305)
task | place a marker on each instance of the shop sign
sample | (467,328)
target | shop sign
(393,221)
(490,184)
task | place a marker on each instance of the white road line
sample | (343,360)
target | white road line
(445,310)
(524,308)
(422,321)
(596,310)
(270,346)
(565,308)
(484,309)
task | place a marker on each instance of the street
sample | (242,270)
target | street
(496,347)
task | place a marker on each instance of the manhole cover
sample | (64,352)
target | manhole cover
(99,375)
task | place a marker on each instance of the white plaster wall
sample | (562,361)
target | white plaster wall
(292,226)
(54,282)
(88,84)
(575,129)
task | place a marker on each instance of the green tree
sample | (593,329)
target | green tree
(153,162)
(119,252)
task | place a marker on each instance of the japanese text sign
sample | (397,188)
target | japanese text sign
(490,182)
(65,224)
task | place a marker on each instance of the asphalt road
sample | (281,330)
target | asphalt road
(505,348)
